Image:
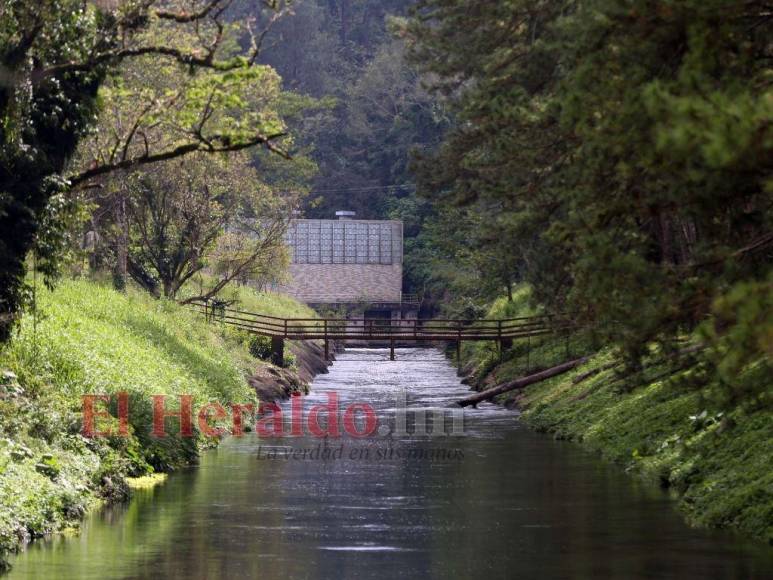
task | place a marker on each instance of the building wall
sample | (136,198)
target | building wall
(345,241)
(344,282)
(345,261)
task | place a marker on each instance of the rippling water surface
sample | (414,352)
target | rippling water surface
(497,502)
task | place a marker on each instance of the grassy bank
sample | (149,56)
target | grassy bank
(661,428)
(89,339)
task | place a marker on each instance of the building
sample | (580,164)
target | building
(349,264)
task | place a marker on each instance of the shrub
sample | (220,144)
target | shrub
(260,347)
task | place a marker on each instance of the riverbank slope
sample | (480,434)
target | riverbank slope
(88,339)
(657,424)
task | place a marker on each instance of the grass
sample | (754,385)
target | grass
(89,339)
(146,481)
(248,299)
(717,461)
(485,364)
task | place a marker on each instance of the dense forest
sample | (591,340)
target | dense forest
(377,112)
(614,156)
(617,157)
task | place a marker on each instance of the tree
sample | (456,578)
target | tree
(199,212)
(56,55)
(344,51)
(389,115)
(628,144)
(457,259)
(151,104)
(494,66)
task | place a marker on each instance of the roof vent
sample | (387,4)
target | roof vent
(345,215)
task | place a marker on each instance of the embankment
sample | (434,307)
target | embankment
(87,339)
(272,383)
(657,424)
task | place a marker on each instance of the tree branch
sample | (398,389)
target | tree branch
(272,239)
(185,17)
(213,8)
(760,243)
(190,59)
(179,151)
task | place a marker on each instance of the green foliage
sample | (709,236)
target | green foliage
(739,361)
(55,57)
(343,51)
(684,428)
(200,212)
(41,121)
(716,461)
(125,343)
(487,363)
(482,357)
(615,155)
(260,347)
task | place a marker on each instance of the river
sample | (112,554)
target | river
(498,501)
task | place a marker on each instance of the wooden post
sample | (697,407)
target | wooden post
(278,350)
(528,351)
(499,336)
(327,343)
(504,344)
(459,351)
(391,349)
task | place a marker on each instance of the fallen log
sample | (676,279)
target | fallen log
(522,382)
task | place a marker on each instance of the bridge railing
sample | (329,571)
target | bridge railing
(405,329)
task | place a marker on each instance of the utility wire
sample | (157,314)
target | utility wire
(365,188)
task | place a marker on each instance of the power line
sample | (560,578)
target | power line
(365,188)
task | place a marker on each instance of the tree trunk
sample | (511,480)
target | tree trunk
(169,288)
(666,237)
(122,244)
(344,21)
(522,382)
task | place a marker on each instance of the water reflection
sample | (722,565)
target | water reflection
(514,505)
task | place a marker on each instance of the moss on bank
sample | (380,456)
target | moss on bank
(718,464)
(667,430)
(146,481)
(90,339)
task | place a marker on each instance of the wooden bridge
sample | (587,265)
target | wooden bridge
(502,331)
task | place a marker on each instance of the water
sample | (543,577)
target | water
(516,505)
